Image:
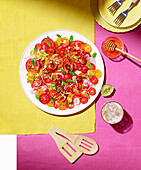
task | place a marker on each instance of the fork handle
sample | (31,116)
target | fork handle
(134,1)
(128,54)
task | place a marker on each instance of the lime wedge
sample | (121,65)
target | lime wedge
(107,90)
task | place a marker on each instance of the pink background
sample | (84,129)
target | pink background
(119,146)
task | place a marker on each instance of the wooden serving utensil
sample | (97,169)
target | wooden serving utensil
(68,149)
(84,144)
(112,46)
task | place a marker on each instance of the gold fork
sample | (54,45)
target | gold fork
(115,6)
(121,17)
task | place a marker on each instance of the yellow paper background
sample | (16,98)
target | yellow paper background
(20,22)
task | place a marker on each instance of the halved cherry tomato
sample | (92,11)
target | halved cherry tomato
(77,95)
(52,93)
(76,45)
(50,104)
(67,76)
(65,41)
(71,105)
(97,73)
(62,106)
(47,80)
(84,69)
(50,51)
(83,100)
(44,98)
(92,66)
(92,91)
(94,80)
(46,45)
(61,51)
(31,68)
(38,46)
(86,48)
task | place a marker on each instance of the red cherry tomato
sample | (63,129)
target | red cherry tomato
(50,51)
(61,51)
(44,98)
(79,67)
(47,43)
(52,93)
(76,45)
(94,80)
(32,68)
(71,105)
(47,80)
(92,91)
(84,69)
(83,100)
(92,66)
(77,95)
(67,76)
(38,46)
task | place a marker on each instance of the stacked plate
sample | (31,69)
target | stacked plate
(106,20)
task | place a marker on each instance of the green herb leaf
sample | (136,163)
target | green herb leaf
(37,97)
(36,75)
(58,35)
(88,64)
(64,83)
(62,70)
(29,66)
(54,55)
(84,42)
(69,80)
(94,85)
(48,43)
(87,95)
(47,36)
(94,54)
(51,99)
(50,77)
(72,73)
(54,86)
(45,71)
(71,38)
(83,86)
(43,58)
(90,76)
(78,56)
(35,68)
(34,61)
(67,103)
(35,50)
(84,77)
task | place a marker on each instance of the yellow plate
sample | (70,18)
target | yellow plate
(133,16)
(104,24)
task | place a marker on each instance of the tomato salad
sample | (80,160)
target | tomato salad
(62,73)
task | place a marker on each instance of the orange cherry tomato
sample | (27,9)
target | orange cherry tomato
(62,106)
(97,73)
(50,104)
(65,41)
(86,48)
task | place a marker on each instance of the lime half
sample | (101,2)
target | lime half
(107,90)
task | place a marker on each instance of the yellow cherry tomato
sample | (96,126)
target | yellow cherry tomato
(91,72)
(50,104)
(87,48)
(30,74)
(32,52)
(97,73)
(58,42)
(30,80)
(65,41)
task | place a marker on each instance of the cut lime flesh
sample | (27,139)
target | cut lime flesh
(107,90)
